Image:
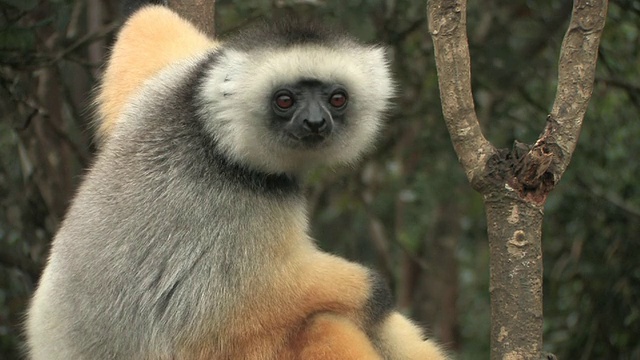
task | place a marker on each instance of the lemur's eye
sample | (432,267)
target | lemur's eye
(284,101)
(338,99)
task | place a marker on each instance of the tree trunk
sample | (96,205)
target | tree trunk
(514,228)
(199,12)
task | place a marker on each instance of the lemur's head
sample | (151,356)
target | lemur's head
(284,97)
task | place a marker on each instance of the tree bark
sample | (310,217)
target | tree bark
(515,183)
(200,12)
(514,227)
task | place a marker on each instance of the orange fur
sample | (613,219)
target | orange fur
(332,337)
(310,283)
(151,39)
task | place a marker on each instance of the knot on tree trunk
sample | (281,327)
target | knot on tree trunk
(527,169)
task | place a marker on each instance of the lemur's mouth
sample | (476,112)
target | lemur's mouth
(313,139)
(309,140)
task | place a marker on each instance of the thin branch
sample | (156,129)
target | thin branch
(633,92)
(576,73)
(626,85)
(611,197)
(551,27)
(85,40)
(383,240)
(380,241)
(447,25)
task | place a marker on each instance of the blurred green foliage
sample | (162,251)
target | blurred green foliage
(407,209)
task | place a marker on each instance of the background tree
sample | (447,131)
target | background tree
(408,209)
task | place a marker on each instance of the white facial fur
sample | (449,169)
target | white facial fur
(237,93)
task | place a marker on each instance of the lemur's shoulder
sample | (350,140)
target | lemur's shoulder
(151,39)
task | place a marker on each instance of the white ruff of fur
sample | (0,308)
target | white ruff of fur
(237,93)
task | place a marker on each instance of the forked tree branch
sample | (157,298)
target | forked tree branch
(542,166)
(515,183)
(576,74)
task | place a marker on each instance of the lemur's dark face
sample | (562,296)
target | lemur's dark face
(306,114)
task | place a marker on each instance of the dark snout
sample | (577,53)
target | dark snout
(313,123)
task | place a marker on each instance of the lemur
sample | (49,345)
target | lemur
(188,238)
